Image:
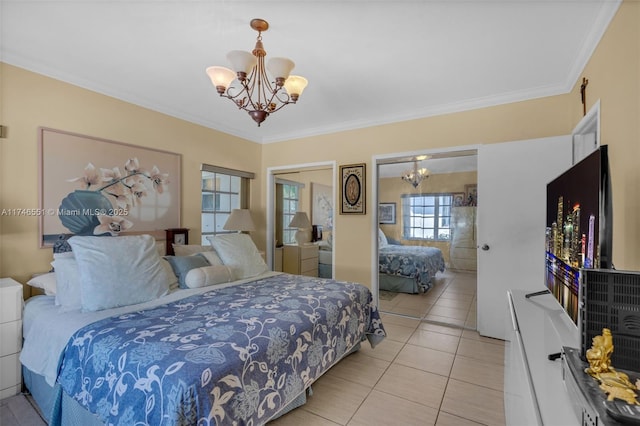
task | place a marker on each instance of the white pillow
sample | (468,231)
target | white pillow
(239,253)
(208,275)
(119,271)
(68,283)
(46,282)
(188,250)
(382,239)
(211,256)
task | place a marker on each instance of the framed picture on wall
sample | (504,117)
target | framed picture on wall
(352,189)
(459,199)
(471,194)
(387,213)
(94,186)
(322,205)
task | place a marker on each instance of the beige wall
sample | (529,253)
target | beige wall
(614,78)
(30,100)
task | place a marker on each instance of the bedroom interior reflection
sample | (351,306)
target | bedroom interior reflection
(314,196)
(435,281)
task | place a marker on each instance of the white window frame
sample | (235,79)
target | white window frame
(440,219)
(214,215)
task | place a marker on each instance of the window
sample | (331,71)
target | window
(287,204)
(290,203)
(427,217)
(222,191)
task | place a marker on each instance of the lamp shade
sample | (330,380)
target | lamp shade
(221,76)
(280,67)
(239,220)
(300,220)
(295,85)
(242,61)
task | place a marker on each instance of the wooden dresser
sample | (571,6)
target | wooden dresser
(300,260)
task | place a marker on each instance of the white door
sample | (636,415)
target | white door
(512,185)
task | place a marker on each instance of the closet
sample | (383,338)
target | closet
(463,248)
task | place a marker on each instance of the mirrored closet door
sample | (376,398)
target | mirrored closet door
(427,246)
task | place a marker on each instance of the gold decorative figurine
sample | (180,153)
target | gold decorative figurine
(614,383)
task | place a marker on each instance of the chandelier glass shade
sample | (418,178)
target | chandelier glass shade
(415,175)
(248,84)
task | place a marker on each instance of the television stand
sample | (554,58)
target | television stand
(534,391)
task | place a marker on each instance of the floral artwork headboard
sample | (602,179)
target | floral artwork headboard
(92,186)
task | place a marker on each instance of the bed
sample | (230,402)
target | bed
(220,348)
(407,269)
(325,260)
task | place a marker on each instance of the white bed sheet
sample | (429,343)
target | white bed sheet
(43,344)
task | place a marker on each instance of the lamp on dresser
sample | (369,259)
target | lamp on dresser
(239,220)
(301,221)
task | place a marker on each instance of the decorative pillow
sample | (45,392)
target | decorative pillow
(239,253)
(382,239)
(208,275)
(211,256)
(392,242)
(188,250)
(183,264)
(68,283)
(118,271)
(46,282)
(173,279)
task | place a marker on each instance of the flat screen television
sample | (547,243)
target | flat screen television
(579,227)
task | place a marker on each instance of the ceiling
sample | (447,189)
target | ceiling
(438,163)
(367,62)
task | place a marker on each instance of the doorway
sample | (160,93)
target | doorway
(426,203)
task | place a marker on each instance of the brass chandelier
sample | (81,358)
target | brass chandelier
(258,94)
(416,175)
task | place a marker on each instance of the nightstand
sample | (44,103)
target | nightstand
(300,260)
(10,337)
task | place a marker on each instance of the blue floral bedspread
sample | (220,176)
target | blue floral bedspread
(421,263)
(234,355)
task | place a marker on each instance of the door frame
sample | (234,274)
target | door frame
(271,202)
(374,200)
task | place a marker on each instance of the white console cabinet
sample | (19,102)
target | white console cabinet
(10,337)
(534,390)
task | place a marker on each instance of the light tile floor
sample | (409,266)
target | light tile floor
(425,373)
(452,300)
(422,374)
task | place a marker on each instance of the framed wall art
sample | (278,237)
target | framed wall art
(352,189)
(93,186)
(459,199)
(387,213)
(322,205)
(471,194)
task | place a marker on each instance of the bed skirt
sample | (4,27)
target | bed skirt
(398,284)
(52,401)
